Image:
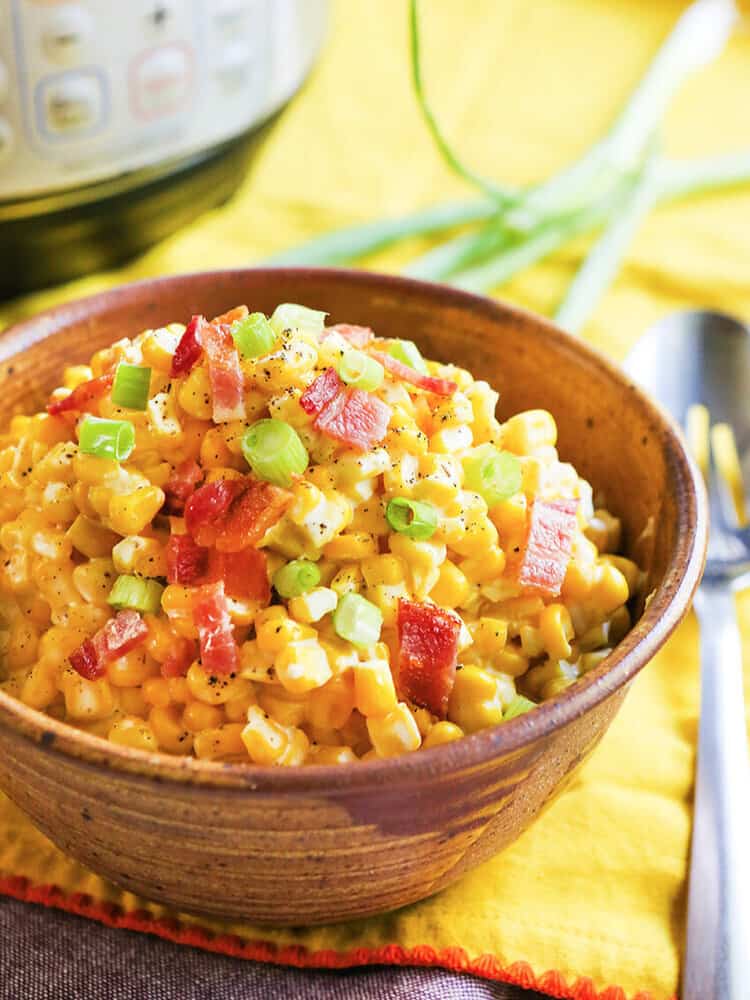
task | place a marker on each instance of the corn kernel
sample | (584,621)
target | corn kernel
(313,605)
(91,538)
(302,666)
(556,629)
(442,732)
(134,733)
(129,514)
(478,699)
(223,743)
(374,690)
(214,689)
(169,730)
(529,430)
(452,587)
(394,734)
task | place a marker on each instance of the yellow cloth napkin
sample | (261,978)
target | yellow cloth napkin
(597,887)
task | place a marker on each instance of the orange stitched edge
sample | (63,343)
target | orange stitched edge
(520,974)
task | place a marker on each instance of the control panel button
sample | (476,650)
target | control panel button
(6,140)
(65,34)
(71,104)
(3,81)
(161,80)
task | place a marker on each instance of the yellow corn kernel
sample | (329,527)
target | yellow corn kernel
(369,517)
(132,669)
(235,710)
(555,687)
(214,689)
(422,559)
(404,436)
(451,440)
(76,375)
(387,569)
(94,580)
(509,517)
(140,556)
(423,718)
(557,630)
(313,605)
(134,733)
(609,591)
(98,498)
(194,395)
(177,604)
(160,639)
(297,749)
(529,430)
(40,687)
(302,666)
(284,709)
(22,644)
(91,538)
(478,538)
(130,513)
(158,346)
(629,570)
(223,743)
(264,739)
(478,698)
(274,630)
(348,580)
(484,567)
(86,701)
(171,734)
(58,503)
(402,478)
(452,587)
(329,707)
(490,635)
(131,702)
(156,691)
(55,583)
(215,452)
(510,661)
(386,596)
(354,545)
(483,402)
(440,733)
(256,664)
(591,660)
(394,734)
(197,715)
(604,530)
(179,690)
(532,643)
(374,690)
(331,755)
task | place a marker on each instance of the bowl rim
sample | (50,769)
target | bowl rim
(669,604)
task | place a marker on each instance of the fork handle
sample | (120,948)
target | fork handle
(717,959)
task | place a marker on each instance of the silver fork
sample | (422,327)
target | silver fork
(704,357)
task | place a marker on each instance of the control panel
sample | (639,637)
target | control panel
(92,89)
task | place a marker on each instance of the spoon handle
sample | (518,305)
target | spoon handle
(717,959)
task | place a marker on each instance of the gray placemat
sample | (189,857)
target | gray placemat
(49,955)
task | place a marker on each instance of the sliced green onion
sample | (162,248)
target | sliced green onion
(274,452)
(518,706)
(407,352)
(297,577)
(361,371)
(106,438)
(136,593)
(357,620)
(131,386)
(289,316)
(494,475)
(415,518)
(253,335)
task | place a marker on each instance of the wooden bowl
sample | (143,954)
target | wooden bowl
(317,844)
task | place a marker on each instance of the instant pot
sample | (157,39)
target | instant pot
(120,120)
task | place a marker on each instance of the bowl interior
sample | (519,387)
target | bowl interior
(612,433)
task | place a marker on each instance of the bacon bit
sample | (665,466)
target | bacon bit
(181,654)
(234,513)
(354,417)
(84,397)
(428,650)
(115,638)
(211,617)
(251,514)
(548,546)
(321,392)
(224,372)
(205,509)
(181,484)
(244,574)
(431,383)
(187,562)
(189,349)
(227,318)
(358,336)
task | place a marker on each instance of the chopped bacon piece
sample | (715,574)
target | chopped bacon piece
(84,397)
(549,541)
(234,513)
(355,418)
(231,316)
(224,372)
(428,649)
(351,416)
(358,336)
(205,509)
(189,349)
(219,654)
(321,392)
(115,638)
(431,383)
(251,514)
(181,485)
(187,562)
(243,573)
(181,654)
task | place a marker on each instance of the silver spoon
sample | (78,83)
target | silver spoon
(704,357)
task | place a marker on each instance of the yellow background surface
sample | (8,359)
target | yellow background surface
(597,887)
